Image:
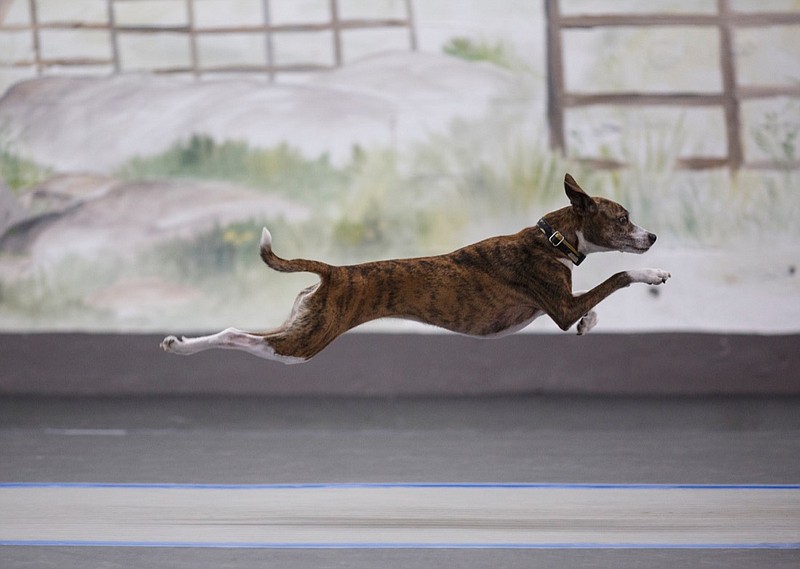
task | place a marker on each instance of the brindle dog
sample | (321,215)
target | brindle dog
(491,288)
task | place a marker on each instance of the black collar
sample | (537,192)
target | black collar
(557,240)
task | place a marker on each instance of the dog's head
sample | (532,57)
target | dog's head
(605,225)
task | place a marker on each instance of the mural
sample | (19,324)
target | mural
(144,143)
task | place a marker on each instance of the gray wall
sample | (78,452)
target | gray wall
(411,364)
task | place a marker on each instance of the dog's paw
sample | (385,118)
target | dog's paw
(649,276)
(588,322)
(170,343)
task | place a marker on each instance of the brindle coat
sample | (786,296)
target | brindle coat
(494,287)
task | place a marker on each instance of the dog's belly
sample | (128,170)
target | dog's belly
(485,324)
(467,308)
(513,328)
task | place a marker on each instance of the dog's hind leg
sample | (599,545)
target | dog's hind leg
(230,338)
(304,334)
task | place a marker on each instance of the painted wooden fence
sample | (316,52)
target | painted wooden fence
(191,33)
(726,20)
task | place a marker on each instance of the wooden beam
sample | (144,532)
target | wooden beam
(337,35)
(638,20)
(37,46)
(739,19)
(113,35)
(193,55)
(555,76)
(729,85)
(412,29)
(269,45)
(642,99)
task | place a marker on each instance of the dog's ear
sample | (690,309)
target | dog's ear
(581,202)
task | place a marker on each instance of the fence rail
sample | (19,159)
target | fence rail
(270,67)
(725,20)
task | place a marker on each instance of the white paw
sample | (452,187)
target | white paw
(588,322)
(170,344)
(649,276)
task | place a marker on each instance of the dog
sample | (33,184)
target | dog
(488,289)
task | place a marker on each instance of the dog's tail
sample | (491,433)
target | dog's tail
(289,266)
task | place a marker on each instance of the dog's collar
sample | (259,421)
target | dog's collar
(557,240)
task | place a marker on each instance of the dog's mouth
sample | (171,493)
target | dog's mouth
(638,249)
(642,242)
(639,246)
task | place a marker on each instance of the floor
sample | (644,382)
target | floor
(565,441)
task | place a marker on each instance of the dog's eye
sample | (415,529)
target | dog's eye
(623,220)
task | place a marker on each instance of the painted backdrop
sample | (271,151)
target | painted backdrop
(143,144)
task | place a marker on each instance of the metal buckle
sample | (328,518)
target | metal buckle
(556,235)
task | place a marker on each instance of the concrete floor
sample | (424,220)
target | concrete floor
(217,440)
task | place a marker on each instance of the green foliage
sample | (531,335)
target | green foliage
(55,299)
(280,169)
(370,203)
(20,173)
(465,48)
(491,175)
(218,251)
(777,135)
(476,179)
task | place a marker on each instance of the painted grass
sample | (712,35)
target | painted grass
(485,176)
(497,53)
(478,178)
(281,169)
(19,173)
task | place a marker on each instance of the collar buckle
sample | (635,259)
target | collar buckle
(557,240)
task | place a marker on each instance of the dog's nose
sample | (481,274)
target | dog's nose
(652,237)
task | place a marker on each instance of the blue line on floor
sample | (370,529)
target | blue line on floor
(383,485)
(391,545)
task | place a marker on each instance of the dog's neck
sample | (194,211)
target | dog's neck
(569,224)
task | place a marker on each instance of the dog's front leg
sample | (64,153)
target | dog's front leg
(579,307)
(587,322)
